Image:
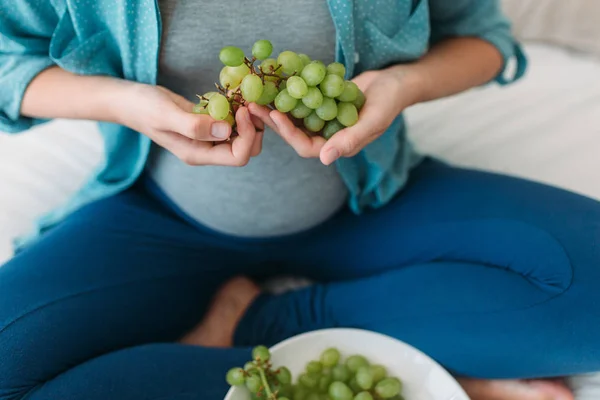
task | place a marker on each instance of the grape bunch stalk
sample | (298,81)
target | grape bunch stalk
(315,95)
(328,378)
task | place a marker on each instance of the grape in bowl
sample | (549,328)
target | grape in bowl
(349,364)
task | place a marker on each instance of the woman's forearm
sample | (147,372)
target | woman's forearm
(56,93)
(451,67)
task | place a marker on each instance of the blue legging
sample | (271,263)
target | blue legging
(492,276)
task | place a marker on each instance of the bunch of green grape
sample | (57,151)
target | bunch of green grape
(329,378)
(316,95)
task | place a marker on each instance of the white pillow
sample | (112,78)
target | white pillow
(570,23)
(545,127)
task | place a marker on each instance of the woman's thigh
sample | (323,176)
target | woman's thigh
(543,234)
(118,273)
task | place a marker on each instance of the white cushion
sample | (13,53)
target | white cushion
(546,127)
(571,23)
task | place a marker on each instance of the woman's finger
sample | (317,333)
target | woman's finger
(305,145)
(258,142)
(242,145)
(350,141)
(258,123)
(263,114)
(191,152)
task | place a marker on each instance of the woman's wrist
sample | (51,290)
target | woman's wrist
(413,85)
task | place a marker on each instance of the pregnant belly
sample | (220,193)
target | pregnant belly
(277,193)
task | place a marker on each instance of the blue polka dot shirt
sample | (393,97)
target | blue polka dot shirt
(121,38)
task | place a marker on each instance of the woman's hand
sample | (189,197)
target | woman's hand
(167,119)
(388,93)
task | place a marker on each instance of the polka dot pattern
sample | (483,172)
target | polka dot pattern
(122,38)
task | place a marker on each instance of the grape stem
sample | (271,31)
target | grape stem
(263,378)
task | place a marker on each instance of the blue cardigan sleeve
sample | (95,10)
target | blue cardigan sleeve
(25,30)
(483,19)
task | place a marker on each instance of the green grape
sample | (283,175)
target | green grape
(379,372)
(364,378)
(330,357)
(331,128)
(324,396)
(313,123)
(326,371)
(269,66)
(252,88)
(282,85)
(200,108)
(218,107)
(285,391)
(290,62)
(313,396)
(253,383)
(249,366)
(341,373)
(313,99)
(231,56)
(231,77)
(314,367)
(208,95)
(262,49)
(296,87)
(336,68)
(300,392)
(284,376)
(347,114)
(314,73)
(305,59)
(301,111)
(230,119)
(236,377)
(261,353)
(353,384)
(332,86)
(360,100)
(269,93)
(388,388)
(282,398)
(350,92)
(324,382)
(309,380)
(284,102)
(328,110)
(340,391)
(355,362)
(363,396)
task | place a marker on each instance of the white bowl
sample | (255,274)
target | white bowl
(422,377)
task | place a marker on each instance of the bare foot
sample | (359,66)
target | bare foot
(228,307)
(516,390)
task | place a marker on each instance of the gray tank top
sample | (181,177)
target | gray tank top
(278,192)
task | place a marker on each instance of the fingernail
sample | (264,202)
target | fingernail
(274,121)
(331,155)
(220,130)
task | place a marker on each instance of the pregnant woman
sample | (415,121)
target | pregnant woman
(143,285)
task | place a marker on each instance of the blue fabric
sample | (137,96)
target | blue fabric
(121,39)
(492,276)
